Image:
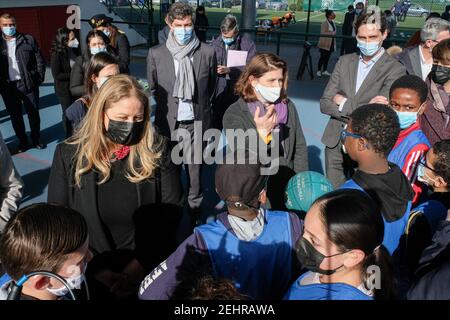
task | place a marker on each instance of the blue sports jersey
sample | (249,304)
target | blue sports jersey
(434,211)
(261,268)
(402,149)
(394,230)
(324,291)
(410,148)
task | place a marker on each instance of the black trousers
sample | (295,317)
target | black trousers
(14,95)
(221,103)
(324,59)
(349,46)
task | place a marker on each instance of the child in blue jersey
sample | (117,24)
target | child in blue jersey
(408,96)
(341,246)
(252,247)
(369,137)
(433,171)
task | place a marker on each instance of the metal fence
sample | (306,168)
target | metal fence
(417,8)
(142,15)
(278,37)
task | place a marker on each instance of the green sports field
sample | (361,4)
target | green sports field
(215,15)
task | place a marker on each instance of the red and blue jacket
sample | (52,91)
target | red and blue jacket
(411,146)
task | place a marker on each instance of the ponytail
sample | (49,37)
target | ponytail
(353,221)
(381,278)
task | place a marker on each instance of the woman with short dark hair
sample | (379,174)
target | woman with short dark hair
(268,116)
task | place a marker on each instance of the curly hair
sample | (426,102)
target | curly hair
(442,164)
(180,10)
(413,83)
(378,124)
(209,288)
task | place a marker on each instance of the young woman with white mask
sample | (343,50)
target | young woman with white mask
(265,112)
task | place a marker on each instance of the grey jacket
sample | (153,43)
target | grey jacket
(343,81)
(161,78)
(238,116)
(410,58)
(11,186)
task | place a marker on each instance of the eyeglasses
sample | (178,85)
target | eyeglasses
(422,163)
(345,134)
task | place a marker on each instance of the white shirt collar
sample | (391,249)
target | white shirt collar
(422,58)
(374,59)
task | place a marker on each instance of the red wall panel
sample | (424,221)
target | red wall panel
(41,22)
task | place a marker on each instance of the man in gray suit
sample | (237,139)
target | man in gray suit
(418,60)
(182,74)
(357,79)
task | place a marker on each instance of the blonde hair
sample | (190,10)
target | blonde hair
(94,147)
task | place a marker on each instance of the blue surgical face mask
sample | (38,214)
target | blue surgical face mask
(9,31)
(369,49)
(406,119)
(97,50)
(228,41)
(183,35)
(106,32)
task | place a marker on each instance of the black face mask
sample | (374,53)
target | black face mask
(311,259)
(440,74)
(125,133)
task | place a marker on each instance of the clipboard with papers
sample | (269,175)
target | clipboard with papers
(236,58)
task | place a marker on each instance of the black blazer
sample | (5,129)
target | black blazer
(238,116)
(347,26)
(29,59)
(122,50)
(62,190)
(77,88)
(60,65)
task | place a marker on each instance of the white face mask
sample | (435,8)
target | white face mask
(73,43)
(423,177)
(73,281)
(269,94)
